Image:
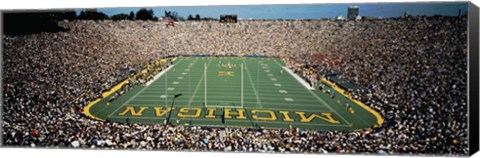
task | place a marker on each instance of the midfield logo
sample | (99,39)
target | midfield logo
(226,73)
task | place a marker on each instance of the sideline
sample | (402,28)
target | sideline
(298,78)
(341,91)
(86,109)
(159,75)
(313,94)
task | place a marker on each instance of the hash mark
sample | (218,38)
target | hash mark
(289,99)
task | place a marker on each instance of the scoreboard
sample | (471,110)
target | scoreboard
(228,18)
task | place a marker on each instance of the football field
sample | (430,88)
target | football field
(234,92)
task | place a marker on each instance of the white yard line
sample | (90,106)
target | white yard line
(318,110)
(267,96)
(198,85)
(267,87)
(143,89)
(265,82)
(253,85)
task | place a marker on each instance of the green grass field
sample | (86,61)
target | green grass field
(211,86)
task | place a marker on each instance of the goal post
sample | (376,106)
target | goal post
(205,76)
(241,85)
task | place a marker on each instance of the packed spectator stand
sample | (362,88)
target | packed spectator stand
(412,70)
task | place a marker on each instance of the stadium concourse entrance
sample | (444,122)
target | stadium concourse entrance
(250,92)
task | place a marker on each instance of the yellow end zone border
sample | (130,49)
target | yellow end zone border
(86,109)
(341,91)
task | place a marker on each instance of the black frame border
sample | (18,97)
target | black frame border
(1,79)
(473,82)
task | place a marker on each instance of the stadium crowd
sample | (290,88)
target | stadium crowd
(412,70)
